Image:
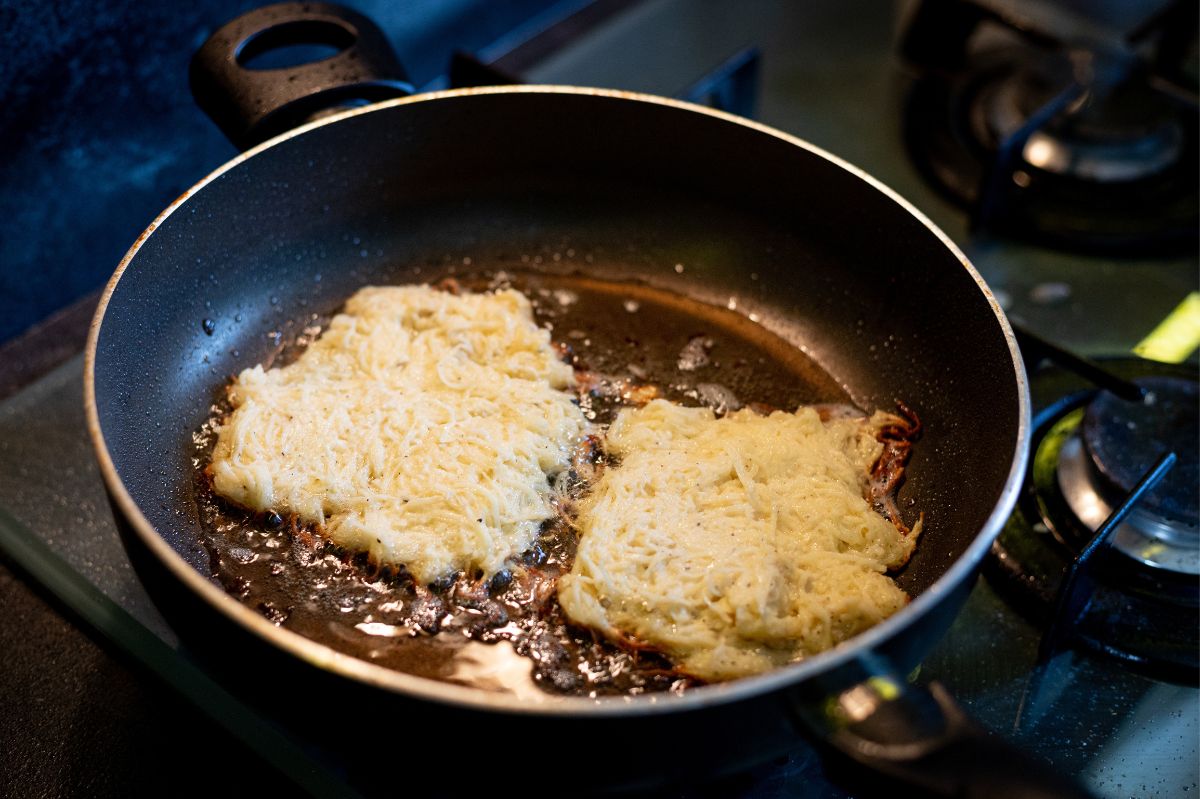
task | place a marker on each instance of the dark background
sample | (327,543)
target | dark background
(98,131)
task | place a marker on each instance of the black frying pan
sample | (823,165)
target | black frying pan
(625,188)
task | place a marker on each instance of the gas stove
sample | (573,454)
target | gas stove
(1088,662)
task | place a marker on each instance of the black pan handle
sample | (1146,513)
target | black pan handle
(251,105)
(922,737)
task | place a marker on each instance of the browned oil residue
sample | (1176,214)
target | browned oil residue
(628,343)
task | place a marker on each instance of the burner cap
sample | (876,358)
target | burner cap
(1124,439)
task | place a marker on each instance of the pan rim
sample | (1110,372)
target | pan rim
(409,685)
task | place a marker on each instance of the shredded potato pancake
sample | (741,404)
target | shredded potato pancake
(737,544)
(422,427)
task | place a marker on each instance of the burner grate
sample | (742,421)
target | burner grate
(1108,587)
(1090,146)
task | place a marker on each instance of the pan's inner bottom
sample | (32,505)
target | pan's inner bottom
(509,634)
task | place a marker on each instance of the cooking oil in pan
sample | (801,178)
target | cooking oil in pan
(628,343)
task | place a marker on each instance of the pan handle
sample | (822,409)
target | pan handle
(922,737)
(252,104)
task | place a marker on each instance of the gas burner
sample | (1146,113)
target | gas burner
(1090,449)
(1130,134)
(1084,146)
(1117,443)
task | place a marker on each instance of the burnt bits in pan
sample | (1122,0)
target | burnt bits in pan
(628,344)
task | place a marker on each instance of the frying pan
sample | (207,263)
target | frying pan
(621,187)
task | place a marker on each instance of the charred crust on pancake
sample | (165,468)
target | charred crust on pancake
(897,437)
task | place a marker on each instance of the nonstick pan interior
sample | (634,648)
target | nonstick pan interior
(604,186)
